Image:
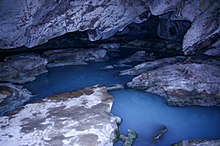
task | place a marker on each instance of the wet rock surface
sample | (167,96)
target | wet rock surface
(74,56)
(12,97)
(79,117)
(198,143)
(181,82)
(22,68)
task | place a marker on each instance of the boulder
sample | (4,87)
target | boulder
(183,84)
(147,66)
(12,97)
(79,117)
(22,68)
(159,135)
(74,56)
(198,142)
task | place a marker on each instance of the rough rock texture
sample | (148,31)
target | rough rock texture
(12,96)
(31,23)
(147,66)
(72,118)
(172,30)
(137,57)
(74,56)
(198,143)
(22,68)
(204,31)
(182,84)
(156,45)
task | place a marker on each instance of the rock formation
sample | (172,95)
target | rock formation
(30,23)
(22,68)
(184,83)
(72,118)
(12,97)
(198,142)
(74,56)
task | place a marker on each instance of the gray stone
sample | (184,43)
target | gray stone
(147,66)
(115,87)
(172,30)
(160,133)
(182,84)
(22,68)
(31,23)
(72,118)
(35,22)
(198,142)
(11,97)
(204,32)
(74,56)
(108,67)
(137,56)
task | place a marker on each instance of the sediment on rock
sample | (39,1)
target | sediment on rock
(79,117)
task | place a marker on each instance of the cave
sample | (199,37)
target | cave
(110,73)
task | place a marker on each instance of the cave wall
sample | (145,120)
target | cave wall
(33,22)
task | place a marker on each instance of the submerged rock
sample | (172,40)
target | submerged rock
(127,140)
(108,67)
(182,84)
(198,142)
(74,56)
(115,87)
(159,134)
(72,118)
(22,68)
(11,97)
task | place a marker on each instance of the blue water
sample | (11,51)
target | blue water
(140,111)
(68,78)
(145,113)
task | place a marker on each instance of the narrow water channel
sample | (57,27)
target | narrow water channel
(140,111)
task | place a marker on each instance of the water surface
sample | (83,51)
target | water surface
(140,111)
(145,113)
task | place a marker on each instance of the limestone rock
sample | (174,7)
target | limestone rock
(11,97)
(183,84)
(172,30)
(74,56)
(72,118)
(198,142)
(22,68)
(204,32)
(147,66)
(31,23)
(138,56)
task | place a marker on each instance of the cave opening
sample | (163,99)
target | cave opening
(138,75)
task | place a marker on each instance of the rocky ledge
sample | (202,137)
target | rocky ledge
(198,143)
(12,96)
(184,83)
(74,56)
(72,118)
(22,68)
